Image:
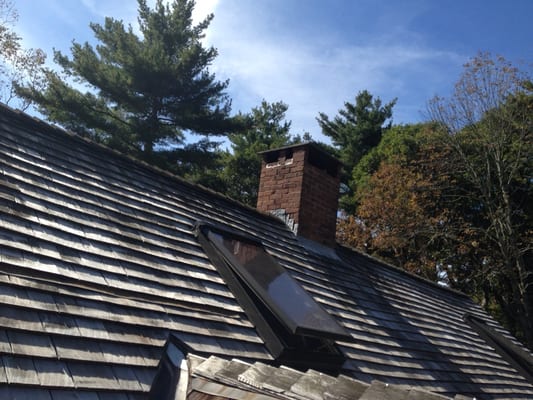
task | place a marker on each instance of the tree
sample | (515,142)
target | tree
(267,129)
(142,91)
(457,195)
(400,215)
(489,126)
(201,162)
(17,65)
(399,144)
(354,131)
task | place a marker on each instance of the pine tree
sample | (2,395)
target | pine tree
(354,132)
(267,129)
(142,91)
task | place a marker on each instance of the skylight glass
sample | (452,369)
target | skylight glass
(279,292)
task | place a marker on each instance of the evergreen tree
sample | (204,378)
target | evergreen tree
(142,92)
(267,129)
(354,131)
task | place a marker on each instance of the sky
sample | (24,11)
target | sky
(315,55)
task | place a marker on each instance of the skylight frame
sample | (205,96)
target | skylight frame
(212,235)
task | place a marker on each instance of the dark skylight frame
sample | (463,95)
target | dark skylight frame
(279,291)
(258,282)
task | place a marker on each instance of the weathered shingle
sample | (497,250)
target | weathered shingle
(214,378)
(99,263)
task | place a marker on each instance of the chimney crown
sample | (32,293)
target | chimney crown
(300,184)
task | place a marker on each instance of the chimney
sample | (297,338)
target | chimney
(300,184)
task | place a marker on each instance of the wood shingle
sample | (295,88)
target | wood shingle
(99,263)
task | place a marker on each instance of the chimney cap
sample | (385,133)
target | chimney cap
(312,145)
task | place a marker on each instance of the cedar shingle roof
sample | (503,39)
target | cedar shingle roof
(99,263)
(214,377)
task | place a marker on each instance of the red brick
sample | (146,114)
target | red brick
(307,192)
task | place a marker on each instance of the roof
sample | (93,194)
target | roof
(99,263)
(235,379)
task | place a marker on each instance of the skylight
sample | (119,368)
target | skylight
(281,293)
(295,328)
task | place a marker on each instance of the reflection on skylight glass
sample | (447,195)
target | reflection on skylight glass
(278,290)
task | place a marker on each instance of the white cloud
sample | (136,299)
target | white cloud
(266,53)
(203,8)
(316,75)
(121,10)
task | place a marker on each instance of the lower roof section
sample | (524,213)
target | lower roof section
(236,380)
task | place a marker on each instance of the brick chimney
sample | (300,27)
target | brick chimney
(300,184)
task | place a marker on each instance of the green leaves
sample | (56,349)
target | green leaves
(399,144)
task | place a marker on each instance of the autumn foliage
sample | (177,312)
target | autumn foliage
(453,200)
(400,215)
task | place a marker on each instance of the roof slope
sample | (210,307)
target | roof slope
(99,262)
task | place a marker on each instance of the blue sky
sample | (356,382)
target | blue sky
(314,55)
